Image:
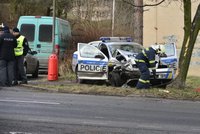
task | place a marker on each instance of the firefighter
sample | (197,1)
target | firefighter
(20,51)
(145,61)
(7,57)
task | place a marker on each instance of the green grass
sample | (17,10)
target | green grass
(193,82)
(64,85)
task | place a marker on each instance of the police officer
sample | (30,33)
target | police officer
(146,60)
(20,51)
(7,57)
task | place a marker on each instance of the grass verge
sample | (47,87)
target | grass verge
(67,86)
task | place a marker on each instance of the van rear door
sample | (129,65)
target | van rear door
(44,46)
(28,29)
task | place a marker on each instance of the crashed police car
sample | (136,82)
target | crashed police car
(112,59)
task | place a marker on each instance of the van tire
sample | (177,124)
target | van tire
(35,74)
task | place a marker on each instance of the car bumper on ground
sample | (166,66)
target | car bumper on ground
(92,75)
(165,73)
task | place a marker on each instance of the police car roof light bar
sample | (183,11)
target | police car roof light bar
(104,39)
(116,39)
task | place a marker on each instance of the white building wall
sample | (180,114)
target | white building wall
(166,20)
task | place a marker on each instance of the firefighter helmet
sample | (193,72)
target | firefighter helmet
(159,48)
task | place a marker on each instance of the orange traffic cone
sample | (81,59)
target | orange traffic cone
(53,67)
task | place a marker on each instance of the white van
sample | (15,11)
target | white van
(38,31)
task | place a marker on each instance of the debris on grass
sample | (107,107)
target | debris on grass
(164,91)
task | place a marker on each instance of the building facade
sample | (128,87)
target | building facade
(166,21)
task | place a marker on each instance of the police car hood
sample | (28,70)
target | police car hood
(127,54)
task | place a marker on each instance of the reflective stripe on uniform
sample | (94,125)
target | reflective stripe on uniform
(139,60)
(144,54)
(152,68)
(144,81)
(19,48)
(152,61)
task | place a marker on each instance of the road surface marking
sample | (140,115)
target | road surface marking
(19,133)
(33,102)
(94,123)
(40,119)
(98,117)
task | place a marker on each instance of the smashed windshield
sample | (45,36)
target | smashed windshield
(126,47)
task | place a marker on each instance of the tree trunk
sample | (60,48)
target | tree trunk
(190,35)
(48,11)
(138,22)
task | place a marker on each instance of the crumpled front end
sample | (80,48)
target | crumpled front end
(129,71)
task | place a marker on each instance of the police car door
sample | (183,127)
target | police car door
(92,63)
(171,60)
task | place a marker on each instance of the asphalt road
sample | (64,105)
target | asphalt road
(25,111)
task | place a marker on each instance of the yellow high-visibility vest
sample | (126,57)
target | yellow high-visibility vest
(19,48)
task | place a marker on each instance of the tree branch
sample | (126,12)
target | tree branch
(145,5)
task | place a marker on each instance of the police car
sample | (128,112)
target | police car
(94,60)
(112,59)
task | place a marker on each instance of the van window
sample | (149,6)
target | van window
(45,33)
(28,30)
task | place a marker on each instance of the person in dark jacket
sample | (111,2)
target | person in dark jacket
(145,61)
(7,57)
(20,51)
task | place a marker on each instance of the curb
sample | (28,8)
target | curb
(38,88)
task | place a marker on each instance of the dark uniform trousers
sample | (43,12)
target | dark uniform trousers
(144,61)
(143,82)
(6,72)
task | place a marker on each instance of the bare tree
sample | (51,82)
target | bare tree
(138,18)
(27,7)
(63,7)
(191,30)
(123,19)
(38,7)
(138,22)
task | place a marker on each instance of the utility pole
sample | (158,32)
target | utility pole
(53,58)
(53,28)
(113,17)
(156,23)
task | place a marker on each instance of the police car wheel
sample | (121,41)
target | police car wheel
(115,79)
(79,81)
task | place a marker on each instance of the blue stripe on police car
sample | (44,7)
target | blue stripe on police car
(75,56)
(90,62)
(169,60)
